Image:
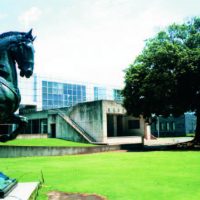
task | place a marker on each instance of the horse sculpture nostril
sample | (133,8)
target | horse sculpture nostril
(29,72)
(21,73)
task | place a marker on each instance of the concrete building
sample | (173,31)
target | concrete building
(54,92)
(102,121)
(174,126)
(76,111)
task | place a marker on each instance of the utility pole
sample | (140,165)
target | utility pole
(158,127)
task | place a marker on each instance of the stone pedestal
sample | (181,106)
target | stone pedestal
(22,191)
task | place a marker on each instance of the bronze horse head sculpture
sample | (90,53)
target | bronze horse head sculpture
(16,50)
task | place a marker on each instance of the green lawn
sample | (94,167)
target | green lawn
(118,176)
(44,142)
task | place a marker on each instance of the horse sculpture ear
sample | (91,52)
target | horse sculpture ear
(29,34)
(34,38)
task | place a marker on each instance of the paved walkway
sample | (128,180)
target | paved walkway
(167,141)
(124,140)
(154,142)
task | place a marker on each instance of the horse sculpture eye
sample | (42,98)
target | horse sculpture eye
(28,45)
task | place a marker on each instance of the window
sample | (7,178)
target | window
(35,89)
(55,91)
(50,96)
(43,124)
(44,96)
(50,90)
(50,102)
(44,90)
(74,92)
(69,86)
(78,89)
(60,97)
(69,92)
(44,84)
(168,127)
(99,93)
(117,95)
(44,102)
(65,97)
(162,126)
(55,85)
(173,126)
(56,103)
(66,103)
(62,94)
(133,124)
(50,84)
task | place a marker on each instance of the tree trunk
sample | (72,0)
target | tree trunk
(197,132)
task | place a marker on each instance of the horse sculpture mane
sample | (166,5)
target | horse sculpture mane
(15,47)
(14,37)
(11,33)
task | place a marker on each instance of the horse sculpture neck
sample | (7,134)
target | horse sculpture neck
(8,68)
(8,73)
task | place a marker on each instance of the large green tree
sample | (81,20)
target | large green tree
(165,78)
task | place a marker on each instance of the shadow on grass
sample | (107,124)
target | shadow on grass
(174,147)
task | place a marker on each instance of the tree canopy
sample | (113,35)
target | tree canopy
(165,78)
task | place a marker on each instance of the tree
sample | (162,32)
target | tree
(165,78)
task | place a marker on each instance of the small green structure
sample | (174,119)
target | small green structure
(6,185)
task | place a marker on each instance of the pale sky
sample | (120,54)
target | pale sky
(91,40)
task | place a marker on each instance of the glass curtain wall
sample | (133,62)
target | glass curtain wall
(56,95)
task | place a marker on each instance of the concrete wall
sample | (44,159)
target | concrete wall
(37,115)
(30,136)
(65,131)
(89,117)
(28,151)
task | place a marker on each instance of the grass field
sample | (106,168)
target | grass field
(44,142)
(117,176)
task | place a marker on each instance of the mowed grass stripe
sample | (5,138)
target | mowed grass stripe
(118,176)
(44,142)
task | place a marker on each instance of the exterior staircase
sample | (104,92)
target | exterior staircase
(75,126)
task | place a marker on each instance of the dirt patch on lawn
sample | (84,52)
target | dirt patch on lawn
(56,195)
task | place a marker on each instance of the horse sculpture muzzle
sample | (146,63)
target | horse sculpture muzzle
(27,71)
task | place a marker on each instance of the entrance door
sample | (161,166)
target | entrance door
(114,125)
(53,130)
(110,125)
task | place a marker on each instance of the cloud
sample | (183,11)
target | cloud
(30,16)
(94,40)
(2,16)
